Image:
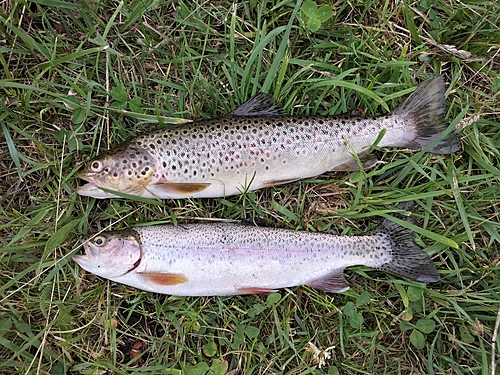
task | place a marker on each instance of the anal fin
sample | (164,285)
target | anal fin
(270,183)
(333,283)
(256,290)
(367,161)
(179,187)
(165,279)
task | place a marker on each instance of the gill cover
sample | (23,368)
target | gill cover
(111,254)
(127,169)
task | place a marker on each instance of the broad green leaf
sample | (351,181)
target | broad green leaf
(79,116)
(313,24)
(135,105)
(414,294)
(349,309)
(357,320)
(198,369)
(256,310)
(218,367)
(426,325)
(417,338)
(324,13)
(119,93)
(252,332)
(210,349)
(272,299)
(363,299)
(58,369)
(309,8)
(405,326)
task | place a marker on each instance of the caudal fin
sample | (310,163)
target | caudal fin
(425,107)
(408,259)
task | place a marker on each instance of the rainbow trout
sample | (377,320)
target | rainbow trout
(258,145)
(218,259)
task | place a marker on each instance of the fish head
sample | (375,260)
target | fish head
(111,254)
(127,169)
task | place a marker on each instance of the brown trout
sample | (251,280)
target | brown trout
(258,145)
(226,259)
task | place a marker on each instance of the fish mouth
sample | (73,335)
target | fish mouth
(90,190)
(84,260)
(82,175)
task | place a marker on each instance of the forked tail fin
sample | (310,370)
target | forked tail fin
(425,107)
(408,259)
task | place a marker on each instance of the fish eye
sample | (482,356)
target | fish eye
(99,241)
(96,166)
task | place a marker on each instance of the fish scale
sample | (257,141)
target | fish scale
(228,147)
(258,145)
(226,259)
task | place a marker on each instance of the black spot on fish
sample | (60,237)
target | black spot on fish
(158,141)
(164,164)
(174,142)
(174,167)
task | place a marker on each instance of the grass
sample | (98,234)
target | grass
(78,77)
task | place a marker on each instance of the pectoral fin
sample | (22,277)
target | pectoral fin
(179,188)
(333,283)
(165,279)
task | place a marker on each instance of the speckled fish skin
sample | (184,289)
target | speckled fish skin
(228,259)
(258,146)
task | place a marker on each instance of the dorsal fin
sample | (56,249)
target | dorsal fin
(262,104)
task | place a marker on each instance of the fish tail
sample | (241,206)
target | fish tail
(408,259)
(425,107)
